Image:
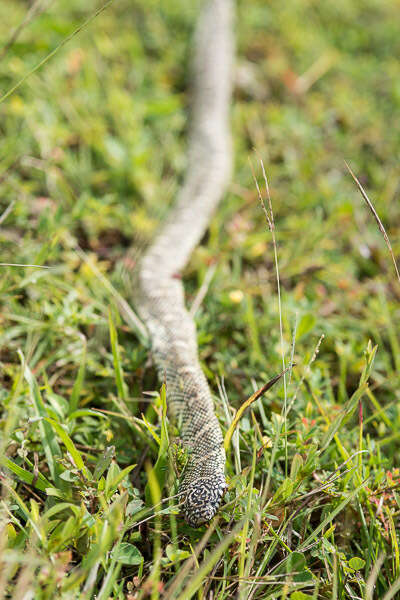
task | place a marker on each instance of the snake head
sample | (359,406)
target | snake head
(202,498)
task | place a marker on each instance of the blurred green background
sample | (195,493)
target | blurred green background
(92,152)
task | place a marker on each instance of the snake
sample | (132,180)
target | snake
(160,291)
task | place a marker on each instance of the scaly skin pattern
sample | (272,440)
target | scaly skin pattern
(190,404)
(160,295)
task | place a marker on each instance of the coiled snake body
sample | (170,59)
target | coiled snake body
(161,296)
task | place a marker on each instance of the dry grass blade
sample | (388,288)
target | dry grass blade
(35,9)
(5,214)
(201,294)
(376,217)
(126,311)
(188,565)
(269,215)
(250,401)
(306,372)
(23,265)
(53,52)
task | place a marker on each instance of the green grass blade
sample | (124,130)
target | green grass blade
(331,516)
(160,469)
(69,444)
(49,441)
(119,376)
(197,580)
(39,481)
(77,389)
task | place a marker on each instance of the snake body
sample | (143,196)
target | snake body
(161,303)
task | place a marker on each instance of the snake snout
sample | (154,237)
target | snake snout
(202,500)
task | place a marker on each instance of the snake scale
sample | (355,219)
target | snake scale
(160,302)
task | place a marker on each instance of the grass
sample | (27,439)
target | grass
(92,151)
